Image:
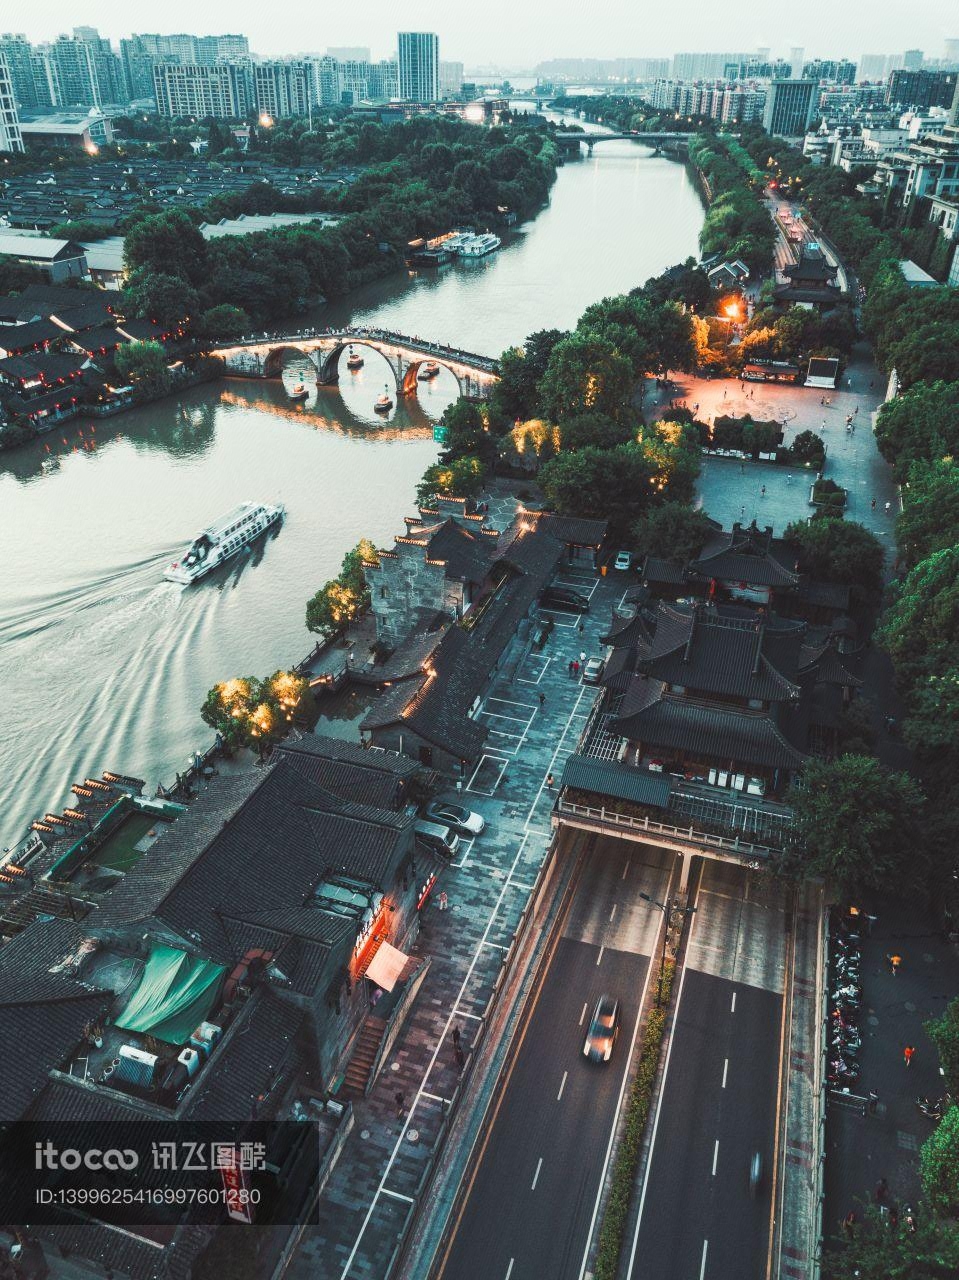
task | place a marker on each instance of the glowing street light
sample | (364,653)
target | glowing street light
(266,120)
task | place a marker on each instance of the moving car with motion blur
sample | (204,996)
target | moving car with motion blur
(603,1030)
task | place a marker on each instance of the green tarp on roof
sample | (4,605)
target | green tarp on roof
(175,994)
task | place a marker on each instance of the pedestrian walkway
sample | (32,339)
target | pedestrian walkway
(862,1149)
(374,1187)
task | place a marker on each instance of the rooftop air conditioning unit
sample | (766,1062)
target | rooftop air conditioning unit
(190,1059)
(135,1066)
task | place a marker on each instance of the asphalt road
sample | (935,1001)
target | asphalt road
(698,1220)
(532,1201)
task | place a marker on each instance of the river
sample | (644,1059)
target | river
(102,664)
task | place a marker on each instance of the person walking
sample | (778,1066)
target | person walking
(581,628)
(873,1102)
(549,781)
(849,1225)
(400,1100)
(888,507)
(874,504)
(459,1055)
(443,901)
(907,1052)
(457,1035)
(572,667)
(582,656)
(575,669)
(895,961)
(542,701)
(762,492)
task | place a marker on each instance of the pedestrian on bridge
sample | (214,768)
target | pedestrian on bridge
(908,1051)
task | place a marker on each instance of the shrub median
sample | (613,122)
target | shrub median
(627,1158)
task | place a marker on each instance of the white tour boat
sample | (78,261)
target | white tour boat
(480,246)
(222,540)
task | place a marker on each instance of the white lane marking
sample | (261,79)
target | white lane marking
(511,702)
(732,1007)
(715,1156)
(434,1097)
(397,1196)
(619,1108)
(612,913)
(725,1069)
(702,1269)
(600,956)
(583,1014)
(659,1108)
(559,1096)
(559,746)
(539,1165)
(509,1269)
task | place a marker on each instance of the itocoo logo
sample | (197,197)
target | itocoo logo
(50,1157)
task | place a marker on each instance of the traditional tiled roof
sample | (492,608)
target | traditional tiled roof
(246,1069)
(572,531)
(42,1014)
(658,719)
(699,648)
(100,339)
(48,365)
(620,780)
(268,852)
(627,631)
(810,267)
(656,569)
(749,555)
(350,771)
(24,337)
(467,556)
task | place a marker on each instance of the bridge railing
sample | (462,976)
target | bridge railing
(423,346)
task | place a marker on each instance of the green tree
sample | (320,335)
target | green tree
(515,396)
(930,516)
(944,1033)
(879,1251)
(921,425)
(462,478)
(856,823)
(467,433)
(673,531)
(585,374)
(839,551)
(595,430)
(613,484)
(162,298)
(167,244)
(223,322)
(141,361)
(920,629)
(939,1164)
(345,597)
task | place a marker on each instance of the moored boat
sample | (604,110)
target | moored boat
(383,403)
(299,392)
(429,369)
(222,540)
(353,360)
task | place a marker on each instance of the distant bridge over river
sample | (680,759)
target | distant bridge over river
(660,142)
(264,356)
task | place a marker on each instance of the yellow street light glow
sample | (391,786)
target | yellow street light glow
(266,120)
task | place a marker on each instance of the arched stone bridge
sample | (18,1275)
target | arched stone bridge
(263,357)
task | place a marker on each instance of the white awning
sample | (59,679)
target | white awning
(386,966)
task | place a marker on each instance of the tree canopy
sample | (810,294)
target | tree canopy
(585,373)
(673,531)
(839,551)
(856,823)
(920,425)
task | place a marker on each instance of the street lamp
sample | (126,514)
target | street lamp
(669,909)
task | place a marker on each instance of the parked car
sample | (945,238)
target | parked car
(564,599)
(624,560)
(603,1030)
(593,671)
(465,821)
(437,837)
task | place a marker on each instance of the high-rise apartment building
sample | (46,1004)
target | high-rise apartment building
(19,53)
(223,89)
(796,61)
(790,107)
(874,66)
(85,70)
(451,79)
(912,60)
(10,137)
(419,66)
(282,90)
(921,89)
(325,80)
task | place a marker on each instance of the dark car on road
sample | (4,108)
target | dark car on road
(603,1030)
(564,599)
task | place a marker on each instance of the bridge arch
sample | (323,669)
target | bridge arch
(276,358)
(411,376)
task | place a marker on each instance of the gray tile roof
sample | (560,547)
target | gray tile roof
(350,771)
(621,781)
(747,554)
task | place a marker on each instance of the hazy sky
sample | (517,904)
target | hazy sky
(520,33)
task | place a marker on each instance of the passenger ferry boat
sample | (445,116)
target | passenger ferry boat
(480,246)
(222,540)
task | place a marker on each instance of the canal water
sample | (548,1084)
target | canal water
(102,663)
